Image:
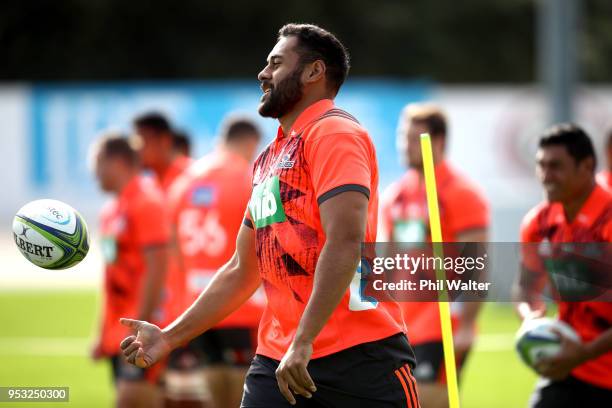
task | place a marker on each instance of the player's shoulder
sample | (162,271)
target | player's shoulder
(604,179)
(463,188)
(604,196)
(109,208)
(338,132)
(399,186)
(336,121)
(179,187)
(535,218)
(201,167)
(147,191)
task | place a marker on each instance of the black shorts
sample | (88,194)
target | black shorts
(570,392)
(369,375)
(235,347)
(124,371)
(430,363)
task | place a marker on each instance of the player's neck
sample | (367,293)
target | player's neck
(572,207)
(238,150)
(124,180)
(161,169)
(287,121)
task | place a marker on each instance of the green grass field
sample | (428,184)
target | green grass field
(44,341)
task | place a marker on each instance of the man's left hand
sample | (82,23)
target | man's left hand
(571,355)
(292,374)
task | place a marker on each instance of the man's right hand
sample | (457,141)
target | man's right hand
(147,347)
(529,311)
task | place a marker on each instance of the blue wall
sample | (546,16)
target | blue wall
(66,118)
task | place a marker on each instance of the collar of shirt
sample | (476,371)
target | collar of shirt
(592,207)
(308,115)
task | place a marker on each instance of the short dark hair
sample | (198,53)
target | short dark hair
(118,145)
(235,128)
(153,120)
(576,141)
(182,142)
(315,43)
(430,115)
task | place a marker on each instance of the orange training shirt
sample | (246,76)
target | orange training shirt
(132,221)
(405,218)
(324,154)
(593,223)
(207,205)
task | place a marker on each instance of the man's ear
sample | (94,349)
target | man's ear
(439,143)
(167,141)
(589,164)
(314,71)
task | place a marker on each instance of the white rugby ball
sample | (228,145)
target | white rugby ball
(51,234)
(536,339)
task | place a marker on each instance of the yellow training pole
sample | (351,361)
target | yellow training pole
(436,239)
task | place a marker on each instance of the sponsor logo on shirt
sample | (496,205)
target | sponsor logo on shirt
(109,249)
(285,162)
(265,206)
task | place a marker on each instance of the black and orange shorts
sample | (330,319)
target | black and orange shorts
(569,393)
(233,347)
(370,375)
(124,371)
(430,363)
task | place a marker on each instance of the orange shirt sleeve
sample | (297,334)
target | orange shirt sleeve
(339,162)
(530,258)
(385,231)
(150,222)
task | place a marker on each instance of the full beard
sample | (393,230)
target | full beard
(282,98)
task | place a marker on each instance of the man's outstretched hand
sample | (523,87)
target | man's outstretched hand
(147,347)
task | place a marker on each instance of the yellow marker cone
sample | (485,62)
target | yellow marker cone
(436,239)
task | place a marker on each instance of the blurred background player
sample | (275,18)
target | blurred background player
(576,210)
(157,148)
(134,230)
(182,143)
(207,205)
(464,217)
(162,151)
(604,178)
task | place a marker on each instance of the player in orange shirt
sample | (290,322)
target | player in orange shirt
(604,178)
(314,202)
(134,231)
(156,141)
(464,217)
(207,205)
(576,210)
